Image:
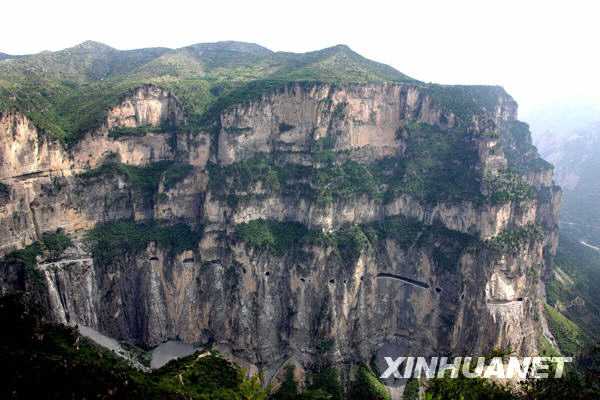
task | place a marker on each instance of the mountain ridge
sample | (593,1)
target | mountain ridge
(66,93)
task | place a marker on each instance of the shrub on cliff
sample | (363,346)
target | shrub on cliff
(276,237)
(325,382)
(115,239)
(288,389)
(56,243)
(145,179)
(53,244)
(508,186)
(515,239)
(367,386)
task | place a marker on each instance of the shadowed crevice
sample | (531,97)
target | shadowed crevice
(410,281)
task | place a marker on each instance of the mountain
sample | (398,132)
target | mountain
(88,61)
(222,49)
(335,63)
(66,93)
(4,55)
(573,147)
(311,213)
(576,159)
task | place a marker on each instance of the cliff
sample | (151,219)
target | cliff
(310,221)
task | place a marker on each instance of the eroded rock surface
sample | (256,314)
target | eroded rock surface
(465,279)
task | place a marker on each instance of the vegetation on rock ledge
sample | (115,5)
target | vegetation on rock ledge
(350,241)
(281,237)
(119,132)
(114,239)
(508,186)
(437,167)
(146,178)
(52,243)
(276,237)
(516,239)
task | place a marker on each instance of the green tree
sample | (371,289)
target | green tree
(288,389)
(328,381)
(411,390)
(367,386)
(251,389)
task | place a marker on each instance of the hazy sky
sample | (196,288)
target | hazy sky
(541,51)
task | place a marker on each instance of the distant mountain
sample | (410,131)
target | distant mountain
(568,136)
(576,157)
(231,46)
(337,62)
(87,61)
(4,56)
(91,61)
(560,118)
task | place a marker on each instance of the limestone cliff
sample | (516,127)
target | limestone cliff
(322,220)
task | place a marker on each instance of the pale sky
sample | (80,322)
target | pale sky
(540,51)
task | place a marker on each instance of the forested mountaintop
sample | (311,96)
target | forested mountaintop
(66,93)
(92,61)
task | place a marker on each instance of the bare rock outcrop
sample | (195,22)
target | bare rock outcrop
(449,285)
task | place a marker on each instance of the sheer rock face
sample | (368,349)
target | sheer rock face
(431,295)
(147,106)
(365,117)
(25,150)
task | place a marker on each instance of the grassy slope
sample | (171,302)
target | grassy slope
(569,336)
(573,293)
